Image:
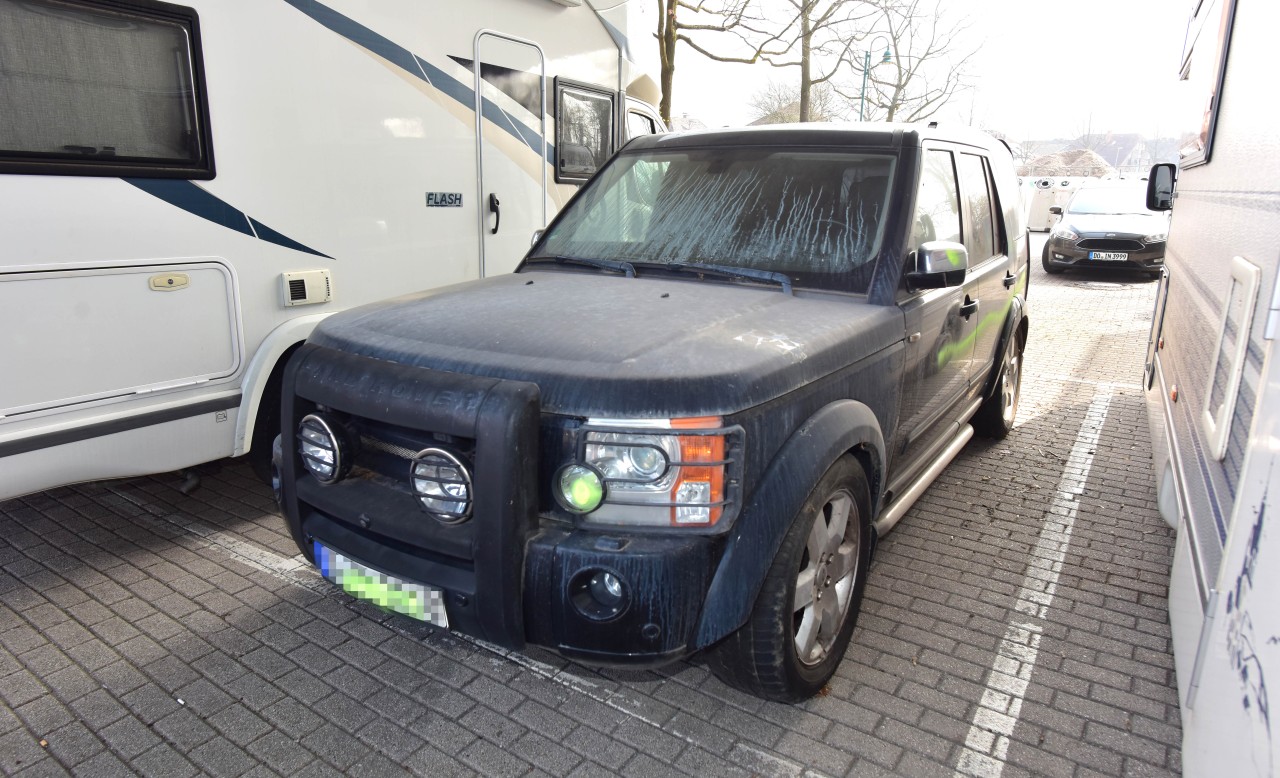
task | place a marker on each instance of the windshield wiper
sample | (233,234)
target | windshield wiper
(727,270)
(603,264)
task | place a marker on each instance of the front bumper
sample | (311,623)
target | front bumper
(1078,254)
(509,575)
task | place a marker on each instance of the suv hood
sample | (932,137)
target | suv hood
(599,345)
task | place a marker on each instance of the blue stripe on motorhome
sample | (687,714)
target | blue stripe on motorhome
(194,200)
(416,66)
(197,202)
(271,236)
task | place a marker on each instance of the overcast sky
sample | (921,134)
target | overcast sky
(1044,70)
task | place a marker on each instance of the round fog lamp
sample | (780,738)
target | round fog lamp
(598,594)
(579,488)
(324,447)
(442,484)
(606,589)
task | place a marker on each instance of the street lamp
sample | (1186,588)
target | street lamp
(866,68)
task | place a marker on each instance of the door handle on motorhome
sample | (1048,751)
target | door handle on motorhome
(496,210)
(969,308)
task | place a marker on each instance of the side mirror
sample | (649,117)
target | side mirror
(1160,186)
(939,264)
(1057,209)
(537,236)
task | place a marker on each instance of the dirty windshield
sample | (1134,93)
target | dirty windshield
(815,216)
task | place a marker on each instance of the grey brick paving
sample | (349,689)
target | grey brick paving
(137,636)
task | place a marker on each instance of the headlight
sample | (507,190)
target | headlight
(1159,237)
(442,484)
(1064,233)
(669,473)
(325,447)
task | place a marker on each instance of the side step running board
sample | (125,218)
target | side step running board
(908,498)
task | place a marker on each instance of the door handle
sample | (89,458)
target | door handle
(969,308)
(495,208)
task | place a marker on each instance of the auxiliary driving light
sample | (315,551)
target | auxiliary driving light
(579,488)
(442,484)
(325,447)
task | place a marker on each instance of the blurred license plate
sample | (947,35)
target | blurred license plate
(1108,256)
(415,600)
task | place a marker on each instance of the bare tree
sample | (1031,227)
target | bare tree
(779,103)
(674,26)
(927,64)
(812,35)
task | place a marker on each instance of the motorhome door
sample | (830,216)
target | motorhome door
(511,152)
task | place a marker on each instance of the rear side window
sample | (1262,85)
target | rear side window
(584,131)
(102,89)
(937,214)
(980,237)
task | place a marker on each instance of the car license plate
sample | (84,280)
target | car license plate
(415,600)
(1108,256)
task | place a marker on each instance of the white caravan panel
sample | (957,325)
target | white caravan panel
(118,330)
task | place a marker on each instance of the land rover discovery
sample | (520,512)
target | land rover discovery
(728,366)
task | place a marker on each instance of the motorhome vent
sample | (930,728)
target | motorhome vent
(307,287)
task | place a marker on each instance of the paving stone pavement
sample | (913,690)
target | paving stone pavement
(1014,624)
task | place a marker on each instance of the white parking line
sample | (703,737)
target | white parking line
(987,743)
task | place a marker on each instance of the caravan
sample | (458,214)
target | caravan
(1213,388)
(187,189)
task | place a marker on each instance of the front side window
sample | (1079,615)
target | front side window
(815,216)
(638,124)
(584,132)
(88,90)
(937,215)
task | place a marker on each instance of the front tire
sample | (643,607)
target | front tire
(805,613)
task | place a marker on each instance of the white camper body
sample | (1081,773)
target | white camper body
(187,189)
(1213,389)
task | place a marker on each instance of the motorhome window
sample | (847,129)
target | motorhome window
(816,216)
(584,131)
(1204,66)
(93,90)
(937,204)
(979,237)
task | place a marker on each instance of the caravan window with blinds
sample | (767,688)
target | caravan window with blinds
(102,89)
(584,131)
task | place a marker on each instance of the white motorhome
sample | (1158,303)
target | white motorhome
(1213,388)
(187,189)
